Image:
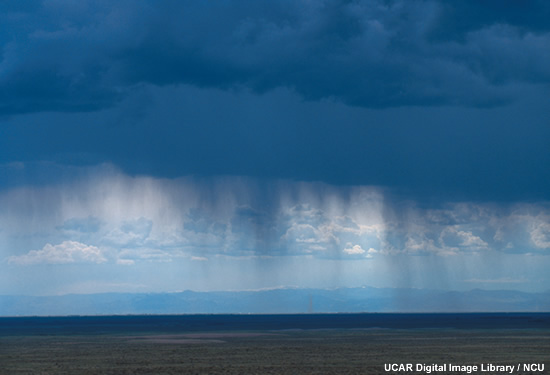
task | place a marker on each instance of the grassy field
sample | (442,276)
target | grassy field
(270,352)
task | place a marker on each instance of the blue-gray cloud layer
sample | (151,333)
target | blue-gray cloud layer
(109,231)
(148,218)
(67,56)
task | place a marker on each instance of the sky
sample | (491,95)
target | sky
(160,146)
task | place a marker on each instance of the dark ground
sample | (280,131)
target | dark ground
(331,351)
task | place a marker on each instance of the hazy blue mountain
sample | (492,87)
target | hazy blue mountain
(284,300)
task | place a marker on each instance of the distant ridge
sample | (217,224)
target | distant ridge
(280,300)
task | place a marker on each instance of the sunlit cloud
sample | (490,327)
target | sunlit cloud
(65,252)
(540,232)
(353,250)
(111,221)
(150,219)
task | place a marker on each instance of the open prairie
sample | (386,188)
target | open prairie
(325,351)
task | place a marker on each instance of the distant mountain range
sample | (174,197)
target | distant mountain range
(283,300)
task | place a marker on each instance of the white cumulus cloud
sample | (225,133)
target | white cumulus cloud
(353,250)
(540,234)
(65,252)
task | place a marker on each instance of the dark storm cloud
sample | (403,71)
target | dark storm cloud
(459,17)
(82,56)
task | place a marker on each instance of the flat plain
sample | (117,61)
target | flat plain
(323,351)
